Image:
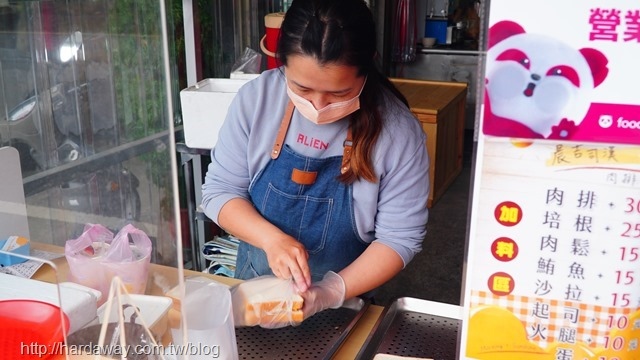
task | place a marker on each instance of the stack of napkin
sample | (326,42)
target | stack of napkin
(221,252)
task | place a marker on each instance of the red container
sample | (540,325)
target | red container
(31,329)
(269,41)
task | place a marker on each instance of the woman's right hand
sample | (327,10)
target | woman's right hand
(287,256)
(288,260)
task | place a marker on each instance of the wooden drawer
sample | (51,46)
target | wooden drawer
(440,107)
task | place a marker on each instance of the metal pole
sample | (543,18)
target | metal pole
(189,42)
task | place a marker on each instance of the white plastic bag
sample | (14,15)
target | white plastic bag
(206,310)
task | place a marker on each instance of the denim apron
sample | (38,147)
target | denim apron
(302,196)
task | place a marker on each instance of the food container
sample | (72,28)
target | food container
(318,337)
(204,108)
(79,303)
(269,41)
(153,311)
(36,324)
(136,340)
(96,257)
(415,328)
(436,27)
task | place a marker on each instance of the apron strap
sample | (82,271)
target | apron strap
(284,126)
(346,153)
(282,133)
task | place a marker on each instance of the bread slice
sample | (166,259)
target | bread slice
(266,301)
(273,312)
(275,305)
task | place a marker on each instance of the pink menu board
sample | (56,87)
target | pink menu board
(564,70)
(553,259)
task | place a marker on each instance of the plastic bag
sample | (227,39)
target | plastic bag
(206,311)
(97,256)
(248,63)
(124,339)
(266,301)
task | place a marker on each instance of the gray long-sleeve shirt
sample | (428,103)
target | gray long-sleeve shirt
(391,211)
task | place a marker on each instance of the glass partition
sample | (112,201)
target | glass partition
(83,99)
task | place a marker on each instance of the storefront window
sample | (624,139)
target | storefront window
(83,99)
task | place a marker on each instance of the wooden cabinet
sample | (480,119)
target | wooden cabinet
(440,107)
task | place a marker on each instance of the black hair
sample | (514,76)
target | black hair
(342,32)
(332,31)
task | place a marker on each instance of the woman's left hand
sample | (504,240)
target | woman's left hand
(324,294)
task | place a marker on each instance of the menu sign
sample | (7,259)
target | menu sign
(563,70)
(554,257)
(553,263)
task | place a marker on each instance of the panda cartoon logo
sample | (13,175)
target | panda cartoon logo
(537,86)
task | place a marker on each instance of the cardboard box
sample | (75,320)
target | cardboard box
(440,108)
(204,108)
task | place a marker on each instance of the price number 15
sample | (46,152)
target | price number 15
(630,254)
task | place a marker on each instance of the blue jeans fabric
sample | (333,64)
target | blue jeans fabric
(320,215)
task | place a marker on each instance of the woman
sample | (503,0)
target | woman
(320,168)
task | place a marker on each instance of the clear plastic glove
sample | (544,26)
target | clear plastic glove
(324,294)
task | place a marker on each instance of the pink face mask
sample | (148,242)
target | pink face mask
(329,113)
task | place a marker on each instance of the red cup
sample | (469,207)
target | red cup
(269,41)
